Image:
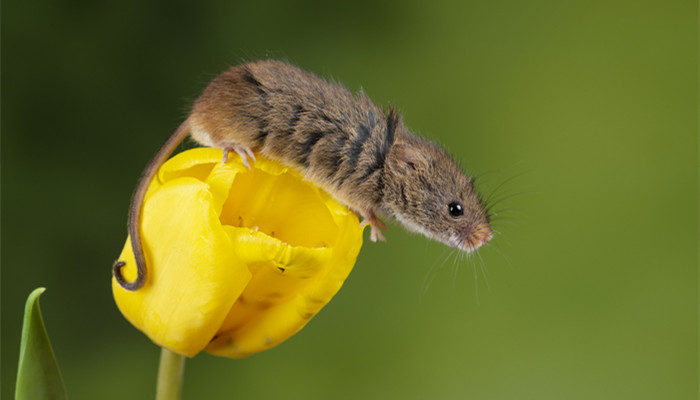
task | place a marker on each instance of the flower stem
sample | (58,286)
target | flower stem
(170,373)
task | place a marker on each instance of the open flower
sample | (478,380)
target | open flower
(238,260)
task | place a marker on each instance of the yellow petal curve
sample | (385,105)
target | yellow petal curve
(194,276)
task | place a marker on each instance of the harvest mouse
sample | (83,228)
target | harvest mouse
(363,157)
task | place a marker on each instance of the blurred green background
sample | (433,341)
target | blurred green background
(586,114)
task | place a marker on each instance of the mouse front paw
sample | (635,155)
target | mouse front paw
(377,226)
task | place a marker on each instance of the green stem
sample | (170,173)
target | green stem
(170,373)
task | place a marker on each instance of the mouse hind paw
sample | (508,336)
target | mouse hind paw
(244,151)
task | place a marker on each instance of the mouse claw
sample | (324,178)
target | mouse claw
(242,151)
(371,219)
(250,153)
(376,234)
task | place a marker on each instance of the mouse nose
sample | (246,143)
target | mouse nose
(478,236)
(483,234)
(486,238)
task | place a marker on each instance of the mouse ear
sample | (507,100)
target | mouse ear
(405,158)
(393,122)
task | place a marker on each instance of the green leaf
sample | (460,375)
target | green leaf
(38,376)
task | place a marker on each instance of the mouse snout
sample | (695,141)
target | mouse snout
(486,238)
(480,235)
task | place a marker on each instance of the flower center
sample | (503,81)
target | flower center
(281,206)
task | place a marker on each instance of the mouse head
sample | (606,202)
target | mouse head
(430,194)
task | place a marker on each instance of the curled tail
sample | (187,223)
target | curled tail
(136,208)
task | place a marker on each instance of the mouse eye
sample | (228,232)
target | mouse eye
(455,208)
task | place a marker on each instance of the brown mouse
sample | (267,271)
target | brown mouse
(363,157)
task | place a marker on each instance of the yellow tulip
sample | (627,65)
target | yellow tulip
(238,260)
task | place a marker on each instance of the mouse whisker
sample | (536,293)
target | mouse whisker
(505,182)
(493,192)
(489,206)
(476,278)
(505,257)
(433,272)
(505,221)
(506,211)
(455,270)
(482,265)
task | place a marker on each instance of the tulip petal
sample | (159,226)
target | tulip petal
(198,276)
(264,317)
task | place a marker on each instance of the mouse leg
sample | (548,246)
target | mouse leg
(242,151)
(369,217)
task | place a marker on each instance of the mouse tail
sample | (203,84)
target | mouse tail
(136,208)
